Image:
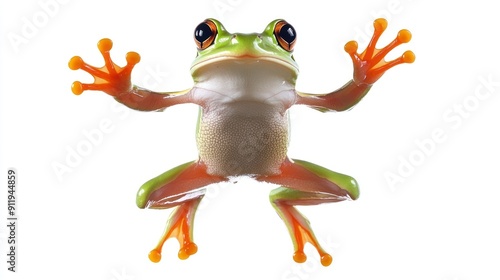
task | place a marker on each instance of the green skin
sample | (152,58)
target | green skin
(234,73)
(225,45)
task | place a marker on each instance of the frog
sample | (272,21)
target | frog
(244,86)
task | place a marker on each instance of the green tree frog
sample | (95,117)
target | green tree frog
(244,85)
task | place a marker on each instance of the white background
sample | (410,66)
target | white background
(440,221)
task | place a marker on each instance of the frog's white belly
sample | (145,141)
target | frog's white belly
(243,129)
(243,138)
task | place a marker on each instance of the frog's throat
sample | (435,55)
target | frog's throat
(245,59)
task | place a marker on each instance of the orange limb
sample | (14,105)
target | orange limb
(109,78)
(180,227)
(304,183)
(182,187)
(370,65)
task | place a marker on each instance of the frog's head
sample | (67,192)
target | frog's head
(275,45)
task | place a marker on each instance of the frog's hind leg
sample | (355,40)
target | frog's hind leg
(304,183)
(180,187)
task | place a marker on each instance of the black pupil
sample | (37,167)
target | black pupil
(202,32)
(287,33)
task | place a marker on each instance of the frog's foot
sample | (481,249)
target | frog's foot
(180,227)
(298,227)
(304,183)
(370,65)
(181,186)
(110,78)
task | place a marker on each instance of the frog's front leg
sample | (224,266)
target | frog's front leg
(181,187)
(369,66)
(115,81)
(304,183)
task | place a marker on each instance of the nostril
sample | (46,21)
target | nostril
(234,39)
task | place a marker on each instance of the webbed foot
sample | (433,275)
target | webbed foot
(370,65)
(110,78)
(305,183)
(179,227)
(182,186)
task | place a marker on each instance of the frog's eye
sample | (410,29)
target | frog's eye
(285,35)
(204,34)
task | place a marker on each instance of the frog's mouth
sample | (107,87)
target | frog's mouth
(237,73)
(245,59)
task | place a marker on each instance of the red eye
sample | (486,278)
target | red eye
(204,34)
(285,34)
